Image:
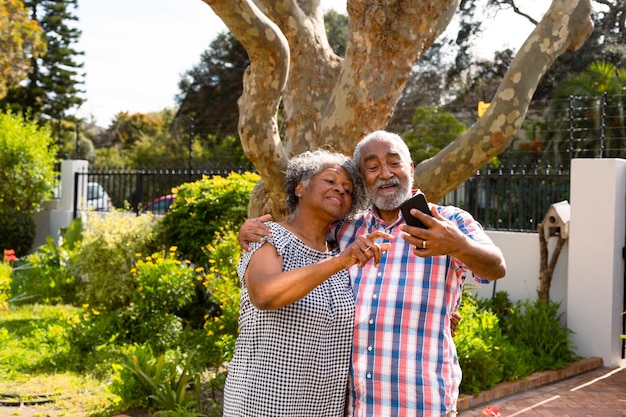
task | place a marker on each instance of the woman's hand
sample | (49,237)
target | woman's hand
(365,248)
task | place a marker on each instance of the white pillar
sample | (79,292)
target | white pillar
(68,169)
(59,213)
(595,282)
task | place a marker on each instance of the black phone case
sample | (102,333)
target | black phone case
(419,202)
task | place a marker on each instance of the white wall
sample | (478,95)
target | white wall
(521,252)
(596,264)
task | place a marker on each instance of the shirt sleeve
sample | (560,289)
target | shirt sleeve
(471,228)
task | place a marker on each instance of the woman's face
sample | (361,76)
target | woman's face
(328,192)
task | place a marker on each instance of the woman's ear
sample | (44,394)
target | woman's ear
(299,190)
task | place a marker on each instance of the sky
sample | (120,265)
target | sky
(136,51)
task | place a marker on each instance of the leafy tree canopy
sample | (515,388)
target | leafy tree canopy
(433,129)
(20,42)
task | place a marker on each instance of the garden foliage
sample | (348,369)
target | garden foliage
(157,324)
(27,158)
(498,340)
(201,208)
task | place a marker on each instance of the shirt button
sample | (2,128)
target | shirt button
(375,296)
(379,274)
(369,348)
(371,321)
(368,375)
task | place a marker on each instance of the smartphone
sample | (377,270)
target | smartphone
(419,202)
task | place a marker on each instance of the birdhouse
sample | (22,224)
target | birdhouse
(556,220)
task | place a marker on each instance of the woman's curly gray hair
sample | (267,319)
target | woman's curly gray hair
(302,167)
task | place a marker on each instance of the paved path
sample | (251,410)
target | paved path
(597,393)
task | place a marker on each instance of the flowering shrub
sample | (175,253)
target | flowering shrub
(164,285)
(201,207)
(222,281)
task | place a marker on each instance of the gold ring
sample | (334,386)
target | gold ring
(423,244)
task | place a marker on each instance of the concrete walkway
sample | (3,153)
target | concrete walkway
(600,392)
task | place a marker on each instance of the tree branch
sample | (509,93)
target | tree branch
(386,39)
(264,81)
(566,25)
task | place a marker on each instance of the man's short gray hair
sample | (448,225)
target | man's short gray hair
(383,136)
(302,167)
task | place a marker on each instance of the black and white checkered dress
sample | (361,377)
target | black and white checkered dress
(292,361)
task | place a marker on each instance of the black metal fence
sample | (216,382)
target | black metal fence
(511,198)
(503,198)
(133,189)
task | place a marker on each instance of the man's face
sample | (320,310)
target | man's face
(388,176)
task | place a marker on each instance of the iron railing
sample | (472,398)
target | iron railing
(501,198)
(133,188)
(511,198)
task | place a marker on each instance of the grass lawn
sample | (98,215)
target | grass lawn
(36,367)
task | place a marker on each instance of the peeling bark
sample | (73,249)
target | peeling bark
(333,102)
(546,270)
(566,25)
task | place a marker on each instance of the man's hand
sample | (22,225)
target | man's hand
(441,237)
(455,319)
(253,230)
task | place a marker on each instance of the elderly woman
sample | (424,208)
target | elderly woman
(297,307)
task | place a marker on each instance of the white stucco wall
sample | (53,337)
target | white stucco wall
(596,264)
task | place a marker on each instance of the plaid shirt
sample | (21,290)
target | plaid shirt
(404,361)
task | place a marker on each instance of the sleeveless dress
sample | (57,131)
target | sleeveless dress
(292,361)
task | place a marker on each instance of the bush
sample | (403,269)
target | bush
(5,284)
(537,325)
(478,341)
(201,207)
(27,158)
(105,256)
(17,231)
(46,276)
(502,341)
(222,282)
(163,286)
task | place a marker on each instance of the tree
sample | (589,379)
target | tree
(337,31)
(52,89)
(433,129)
(606,43)
(327,100)
(27,157)
(209,91)
(20,42)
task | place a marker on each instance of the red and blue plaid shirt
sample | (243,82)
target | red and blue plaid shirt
(404,361)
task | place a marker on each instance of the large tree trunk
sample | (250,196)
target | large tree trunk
(327,101)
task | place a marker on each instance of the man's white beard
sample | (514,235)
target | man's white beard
(393,201)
